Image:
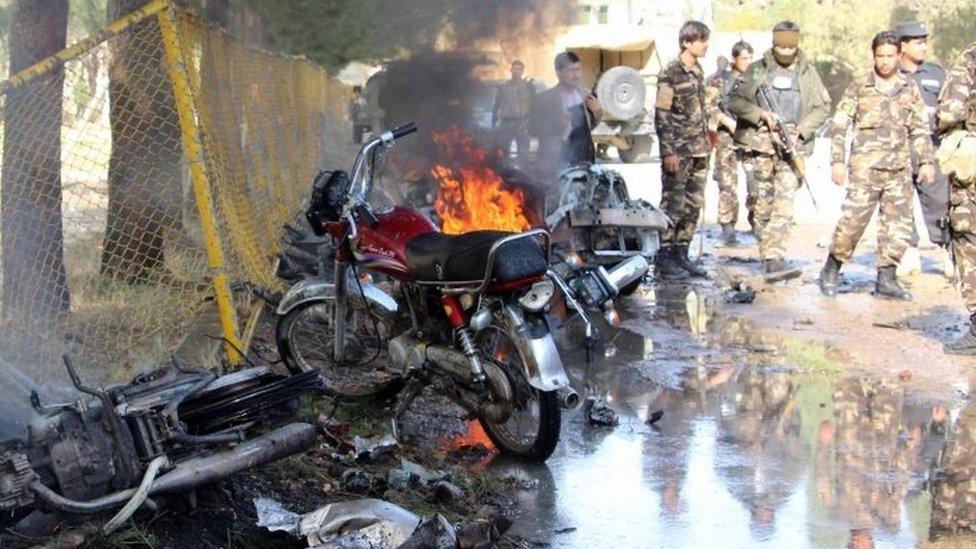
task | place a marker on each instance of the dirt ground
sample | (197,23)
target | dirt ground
(878,336)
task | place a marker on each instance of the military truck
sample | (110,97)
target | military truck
(620,64)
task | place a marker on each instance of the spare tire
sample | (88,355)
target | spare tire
(621,92)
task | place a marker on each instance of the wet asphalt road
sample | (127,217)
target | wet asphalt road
(762,442)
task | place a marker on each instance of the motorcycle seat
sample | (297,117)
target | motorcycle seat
(438,257)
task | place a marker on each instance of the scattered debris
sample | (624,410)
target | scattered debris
(896,325)
(803,322)
(445,492)
(410,472)
(600,413)
(355,481)
(273,516)
(905,375)
(655,417)
(433,533)
(471,454)
(484,531)
(740,291)
(371,450)
(371,523)
(475,533)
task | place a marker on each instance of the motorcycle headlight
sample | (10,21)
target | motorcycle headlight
(538,296)
(590,288)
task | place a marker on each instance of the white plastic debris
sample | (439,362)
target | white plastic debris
(361,523)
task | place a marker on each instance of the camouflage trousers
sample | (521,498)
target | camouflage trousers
(954,493)
(775,187)
(890,192)
(726,174)
(962,216)
(682,196)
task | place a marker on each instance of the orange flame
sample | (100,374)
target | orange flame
(472,196)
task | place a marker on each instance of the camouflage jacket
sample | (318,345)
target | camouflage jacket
(513,100)
(718,88)
(957,102)
(680,112)
(887,126)
(753,135)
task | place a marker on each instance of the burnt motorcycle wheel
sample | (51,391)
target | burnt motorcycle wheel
(532,431)
(305,340)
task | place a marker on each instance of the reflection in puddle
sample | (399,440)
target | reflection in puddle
(752,447)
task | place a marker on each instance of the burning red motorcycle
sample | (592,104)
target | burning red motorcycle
(408,306)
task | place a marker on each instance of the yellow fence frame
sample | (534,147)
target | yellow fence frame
(193,148)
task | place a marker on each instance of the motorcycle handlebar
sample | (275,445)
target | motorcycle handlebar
(366,214)
(404,130)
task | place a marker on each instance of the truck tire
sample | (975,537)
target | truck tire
(640,150)
(621,92)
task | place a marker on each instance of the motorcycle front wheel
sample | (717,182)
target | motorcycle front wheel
(305,342)
(532,431)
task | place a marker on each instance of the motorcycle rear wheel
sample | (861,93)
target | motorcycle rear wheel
(532,431)
(305,341)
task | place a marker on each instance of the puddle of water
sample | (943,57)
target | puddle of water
(752,448)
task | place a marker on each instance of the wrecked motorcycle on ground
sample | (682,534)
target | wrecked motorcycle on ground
(408,307)
(592,214)
(166,432)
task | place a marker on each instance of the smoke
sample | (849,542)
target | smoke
(513,23)
(443,84)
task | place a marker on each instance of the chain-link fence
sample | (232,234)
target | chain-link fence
(146,171)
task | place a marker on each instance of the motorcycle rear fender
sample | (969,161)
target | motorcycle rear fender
(537,348)
(320,288)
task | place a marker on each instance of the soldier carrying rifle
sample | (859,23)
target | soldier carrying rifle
(799,101)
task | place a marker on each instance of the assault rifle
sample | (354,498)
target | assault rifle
(786,148)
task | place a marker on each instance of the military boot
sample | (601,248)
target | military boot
(694,268)
(667,266)
(729,237)
(887,286)
(776,270)
(965,345)
(829,276)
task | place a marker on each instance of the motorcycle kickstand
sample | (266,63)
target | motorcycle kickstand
(589,372)
(410,392)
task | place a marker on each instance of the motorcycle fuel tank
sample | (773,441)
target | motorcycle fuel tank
(383,247)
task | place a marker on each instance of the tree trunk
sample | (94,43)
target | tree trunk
(218,11)
(34,282)
(144,174)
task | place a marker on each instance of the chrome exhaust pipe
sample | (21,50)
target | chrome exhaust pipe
(624,273)
(277,444)
(568,398)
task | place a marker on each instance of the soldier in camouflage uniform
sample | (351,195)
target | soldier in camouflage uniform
(865,458)
(799,99)
(510,115)
(954,489)
(759,451)
(682,130)
(957,112)
(885,110)
(726,167)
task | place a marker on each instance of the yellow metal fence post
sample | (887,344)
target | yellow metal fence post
(193,147)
